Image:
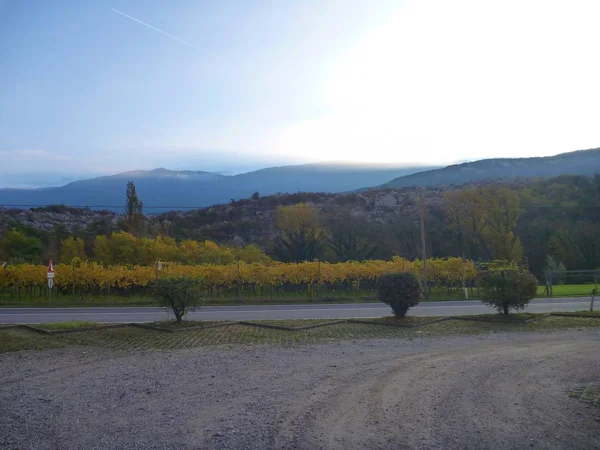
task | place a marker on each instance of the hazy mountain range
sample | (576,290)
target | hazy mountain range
(163,189)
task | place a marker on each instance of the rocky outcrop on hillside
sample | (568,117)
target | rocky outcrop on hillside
(243,221)
(48,218)
(240,222)
(253,220)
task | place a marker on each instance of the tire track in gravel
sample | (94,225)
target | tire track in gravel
(305,413)
(494,395)
(520,397)
(337,407)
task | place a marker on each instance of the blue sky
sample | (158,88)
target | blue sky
(87,91)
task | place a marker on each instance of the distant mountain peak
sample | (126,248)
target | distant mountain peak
(163,189)
(161,171)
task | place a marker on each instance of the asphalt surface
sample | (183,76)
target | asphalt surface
(269,312)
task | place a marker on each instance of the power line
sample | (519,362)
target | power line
(47,205)
(99,206)
(560,206)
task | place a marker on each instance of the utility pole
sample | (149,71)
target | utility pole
(423,246)
(237,280)
(464,269)
(594,292)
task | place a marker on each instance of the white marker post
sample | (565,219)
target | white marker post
(50,275)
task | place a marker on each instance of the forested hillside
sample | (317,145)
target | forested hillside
(553,221)
(582,162)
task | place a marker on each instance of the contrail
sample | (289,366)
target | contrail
(161,31)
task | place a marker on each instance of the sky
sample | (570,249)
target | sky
(103,86)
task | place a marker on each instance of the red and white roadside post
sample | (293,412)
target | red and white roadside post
(50,275)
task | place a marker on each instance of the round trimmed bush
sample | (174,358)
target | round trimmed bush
(507,289)
(178,295)
(399,290)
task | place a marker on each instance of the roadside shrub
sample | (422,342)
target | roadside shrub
(178,295)
(399,290)
(507,289)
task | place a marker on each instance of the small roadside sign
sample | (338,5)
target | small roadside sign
(50,275)
(51,269)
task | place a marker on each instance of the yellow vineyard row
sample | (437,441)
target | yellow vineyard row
(443,272)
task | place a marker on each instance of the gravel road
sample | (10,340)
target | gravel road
(500,391)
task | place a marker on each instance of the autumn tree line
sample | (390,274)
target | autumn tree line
(549,224)
(545,224)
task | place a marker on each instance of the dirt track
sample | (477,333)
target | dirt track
(498,391)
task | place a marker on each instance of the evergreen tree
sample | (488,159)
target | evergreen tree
(133,209)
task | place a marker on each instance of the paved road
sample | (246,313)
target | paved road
(262,312)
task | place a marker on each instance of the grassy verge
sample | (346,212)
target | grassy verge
(293,323)
(513,317)
(407,320)
(15,339)
(66,325)
(582,313)
(174,325)
(567,290)
(131,338)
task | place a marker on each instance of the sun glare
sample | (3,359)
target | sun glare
(435,84)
